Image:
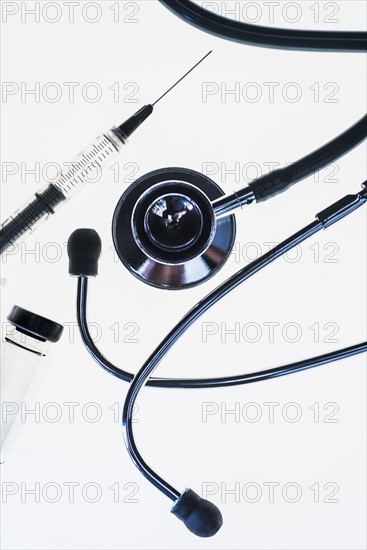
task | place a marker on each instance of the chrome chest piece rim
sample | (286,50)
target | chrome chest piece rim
(165,231)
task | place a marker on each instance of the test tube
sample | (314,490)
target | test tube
(24,363)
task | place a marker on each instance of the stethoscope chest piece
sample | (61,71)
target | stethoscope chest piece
(165,231)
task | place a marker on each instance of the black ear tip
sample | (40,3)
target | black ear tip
(84,249)
(200,516)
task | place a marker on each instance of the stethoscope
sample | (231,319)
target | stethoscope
(174,228)
(84,248)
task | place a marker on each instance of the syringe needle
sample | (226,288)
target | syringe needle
(182,77)
(125,129)
(99,154)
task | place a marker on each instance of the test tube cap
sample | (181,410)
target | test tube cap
(34,325)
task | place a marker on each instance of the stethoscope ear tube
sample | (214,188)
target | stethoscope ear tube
(200,383)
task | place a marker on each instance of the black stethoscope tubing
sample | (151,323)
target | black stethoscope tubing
(264,187)
(199,383)
(324,219)
(270,37)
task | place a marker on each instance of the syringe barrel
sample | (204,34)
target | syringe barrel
(87,167)
(89,164)
(29,216)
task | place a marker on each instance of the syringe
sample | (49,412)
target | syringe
(99,154)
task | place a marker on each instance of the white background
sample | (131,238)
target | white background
(324,287)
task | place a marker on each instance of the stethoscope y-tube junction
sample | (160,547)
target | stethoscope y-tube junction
(268,37)
(200,516)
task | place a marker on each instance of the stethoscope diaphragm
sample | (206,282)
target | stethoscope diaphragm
(165,230)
